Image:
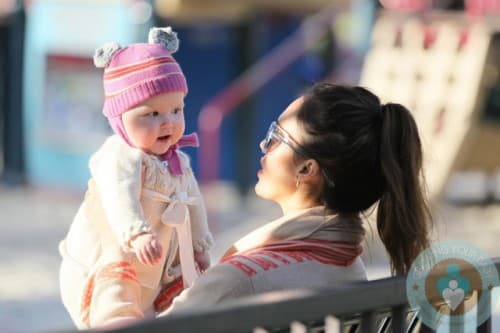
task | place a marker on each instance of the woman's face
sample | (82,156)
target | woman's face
(278,177)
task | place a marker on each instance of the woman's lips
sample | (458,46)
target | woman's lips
(261,170)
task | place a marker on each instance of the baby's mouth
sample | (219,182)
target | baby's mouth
(164,138)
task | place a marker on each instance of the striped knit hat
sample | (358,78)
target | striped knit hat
(137,72)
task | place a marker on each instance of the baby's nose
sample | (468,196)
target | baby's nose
(166,119)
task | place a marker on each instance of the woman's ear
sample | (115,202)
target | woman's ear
(307,170)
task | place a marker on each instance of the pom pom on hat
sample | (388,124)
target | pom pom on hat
(165,36)
(104,54)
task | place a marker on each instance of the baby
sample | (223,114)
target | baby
(143,213)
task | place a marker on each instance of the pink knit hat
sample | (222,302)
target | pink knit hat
(137,72)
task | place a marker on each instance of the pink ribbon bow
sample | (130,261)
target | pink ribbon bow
(172,157)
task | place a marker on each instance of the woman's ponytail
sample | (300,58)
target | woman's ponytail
(403,215)
(371,153)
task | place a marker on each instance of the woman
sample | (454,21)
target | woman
(330,156)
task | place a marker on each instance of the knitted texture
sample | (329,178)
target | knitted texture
(137,72)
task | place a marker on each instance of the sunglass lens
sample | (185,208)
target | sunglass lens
(269,141)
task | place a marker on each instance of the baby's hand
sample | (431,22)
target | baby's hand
(203,260)
(147,248)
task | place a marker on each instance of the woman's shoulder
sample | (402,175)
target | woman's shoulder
(265,261)
(218,284)
(261,272)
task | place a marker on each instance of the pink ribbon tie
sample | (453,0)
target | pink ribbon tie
(172,157)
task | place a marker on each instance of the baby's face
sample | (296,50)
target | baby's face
(157,123)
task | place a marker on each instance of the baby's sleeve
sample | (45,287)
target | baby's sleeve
(117,172)
(202,237)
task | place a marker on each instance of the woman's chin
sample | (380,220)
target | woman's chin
(260,191)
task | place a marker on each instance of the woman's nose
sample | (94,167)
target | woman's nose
(261,146)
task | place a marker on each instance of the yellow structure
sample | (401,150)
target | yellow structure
(441,69)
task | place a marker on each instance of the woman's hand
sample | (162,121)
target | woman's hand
(147,249)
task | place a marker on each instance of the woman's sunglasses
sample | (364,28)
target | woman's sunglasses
(276,135)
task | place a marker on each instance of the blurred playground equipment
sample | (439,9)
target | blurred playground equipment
(257,55)
(444,66)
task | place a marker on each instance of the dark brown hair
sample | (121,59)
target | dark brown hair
(372,153)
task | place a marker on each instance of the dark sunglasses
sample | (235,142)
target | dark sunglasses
(276,135)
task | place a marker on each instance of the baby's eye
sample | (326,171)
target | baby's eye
(153,114)
(176,111)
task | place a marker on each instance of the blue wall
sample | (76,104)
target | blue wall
(275,96)
(207,56)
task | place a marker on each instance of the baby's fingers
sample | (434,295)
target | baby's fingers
(157,249)
(150,254)
(155,257)
(141,256)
